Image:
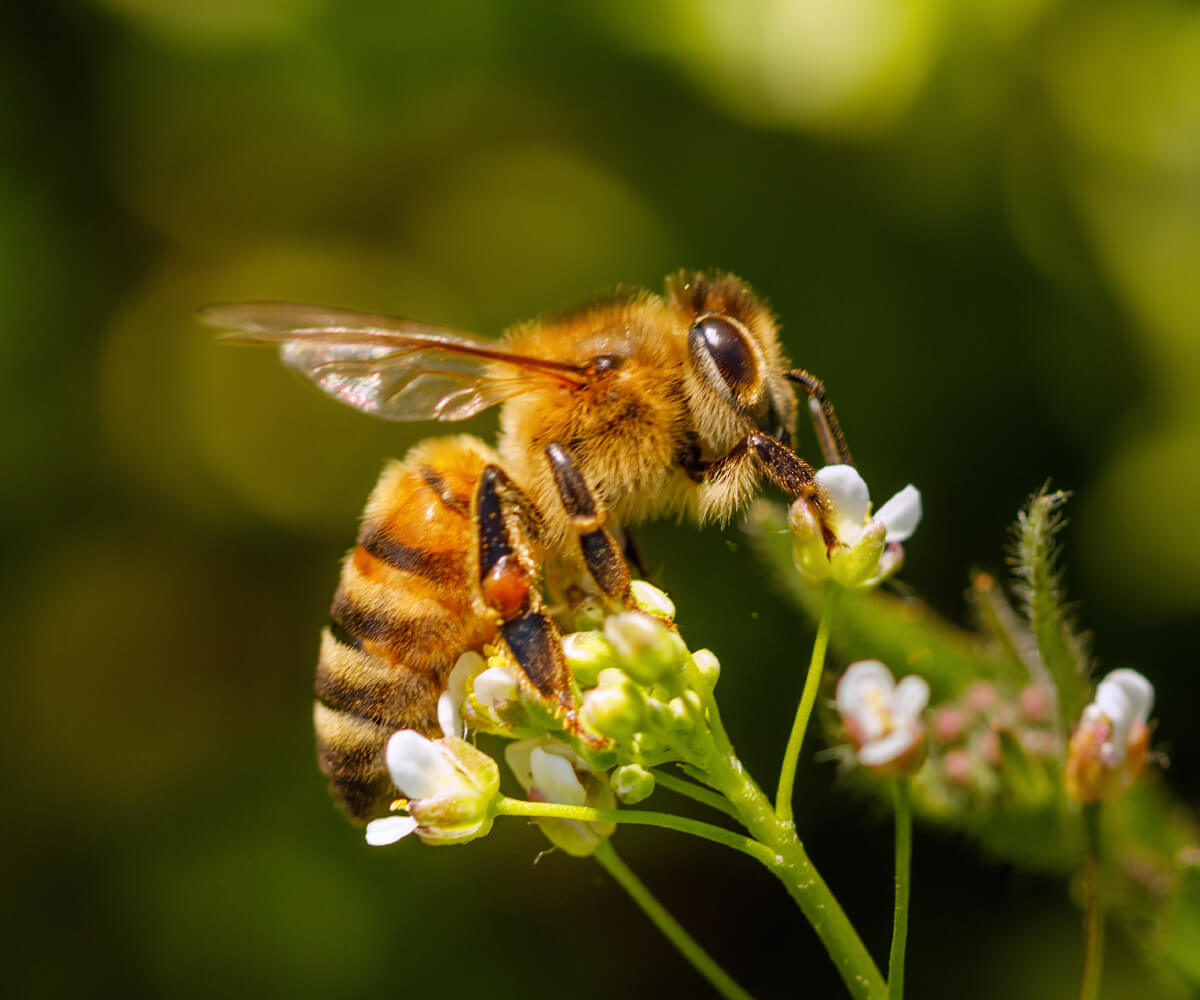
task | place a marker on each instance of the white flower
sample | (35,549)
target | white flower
(1125,698)
(883,718)
(1109,749)
(448,786)
(864,550)
(481,697)
(550,771)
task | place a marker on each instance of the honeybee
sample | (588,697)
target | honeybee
(629,408)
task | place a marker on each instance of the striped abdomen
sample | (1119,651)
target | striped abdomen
(405,610)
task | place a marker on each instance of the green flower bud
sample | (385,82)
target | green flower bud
(650,599)
(587,653)
(632,783)
(657,716)
(614,708)
(708,666)
(683,720)
(647,648)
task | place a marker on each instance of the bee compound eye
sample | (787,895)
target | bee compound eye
(727,346)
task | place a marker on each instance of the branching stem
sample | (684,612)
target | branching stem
(505,806)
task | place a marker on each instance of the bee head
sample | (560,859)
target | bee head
(735,379)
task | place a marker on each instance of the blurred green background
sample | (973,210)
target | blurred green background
(979,221)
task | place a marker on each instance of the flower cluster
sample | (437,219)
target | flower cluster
(642,702)
(1109,748)
(972,734)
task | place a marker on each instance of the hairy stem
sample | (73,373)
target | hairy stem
(903,867)
(812,684)
(687,946)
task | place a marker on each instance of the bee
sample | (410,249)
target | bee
(630,408)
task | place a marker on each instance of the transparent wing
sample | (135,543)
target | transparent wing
(390,367)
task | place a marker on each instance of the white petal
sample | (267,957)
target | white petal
(1112,700)
(901,514)
(895,744)
(851,499)
(862,683)
(555,778)
(450,702)
(449,717)
(381,832)
(496,686)
(418,766)
(1138,690)
(517,754)
(909,699)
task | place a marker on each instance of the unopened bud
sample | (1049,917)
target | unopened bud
(682,718)
(614,708)
(587,653)
(708,665)
(650,599)
(647,648)
(632,783)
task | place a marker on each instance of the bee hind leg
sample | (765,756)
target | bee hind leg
(601,554)
(509,588)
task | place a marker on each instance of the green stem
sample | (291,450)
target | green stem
(1093,911)
(689,789)
(505,806)
(681,939)
(903,866)
(791,865)
(812,684)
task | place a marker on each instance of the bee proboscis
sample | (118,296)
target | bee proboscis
(630,408)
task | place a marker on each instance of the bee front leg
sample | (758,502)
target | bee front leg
(825,421)
(783,468)
(586,513)
(509,588)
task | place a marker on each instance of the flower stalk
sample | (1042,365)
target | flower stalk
(671,929)
(504,806)
(812,684)
(903,819)
(1093,910)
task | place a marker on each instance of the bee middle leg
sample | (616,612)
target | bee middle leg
(509,588)
(586,513)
